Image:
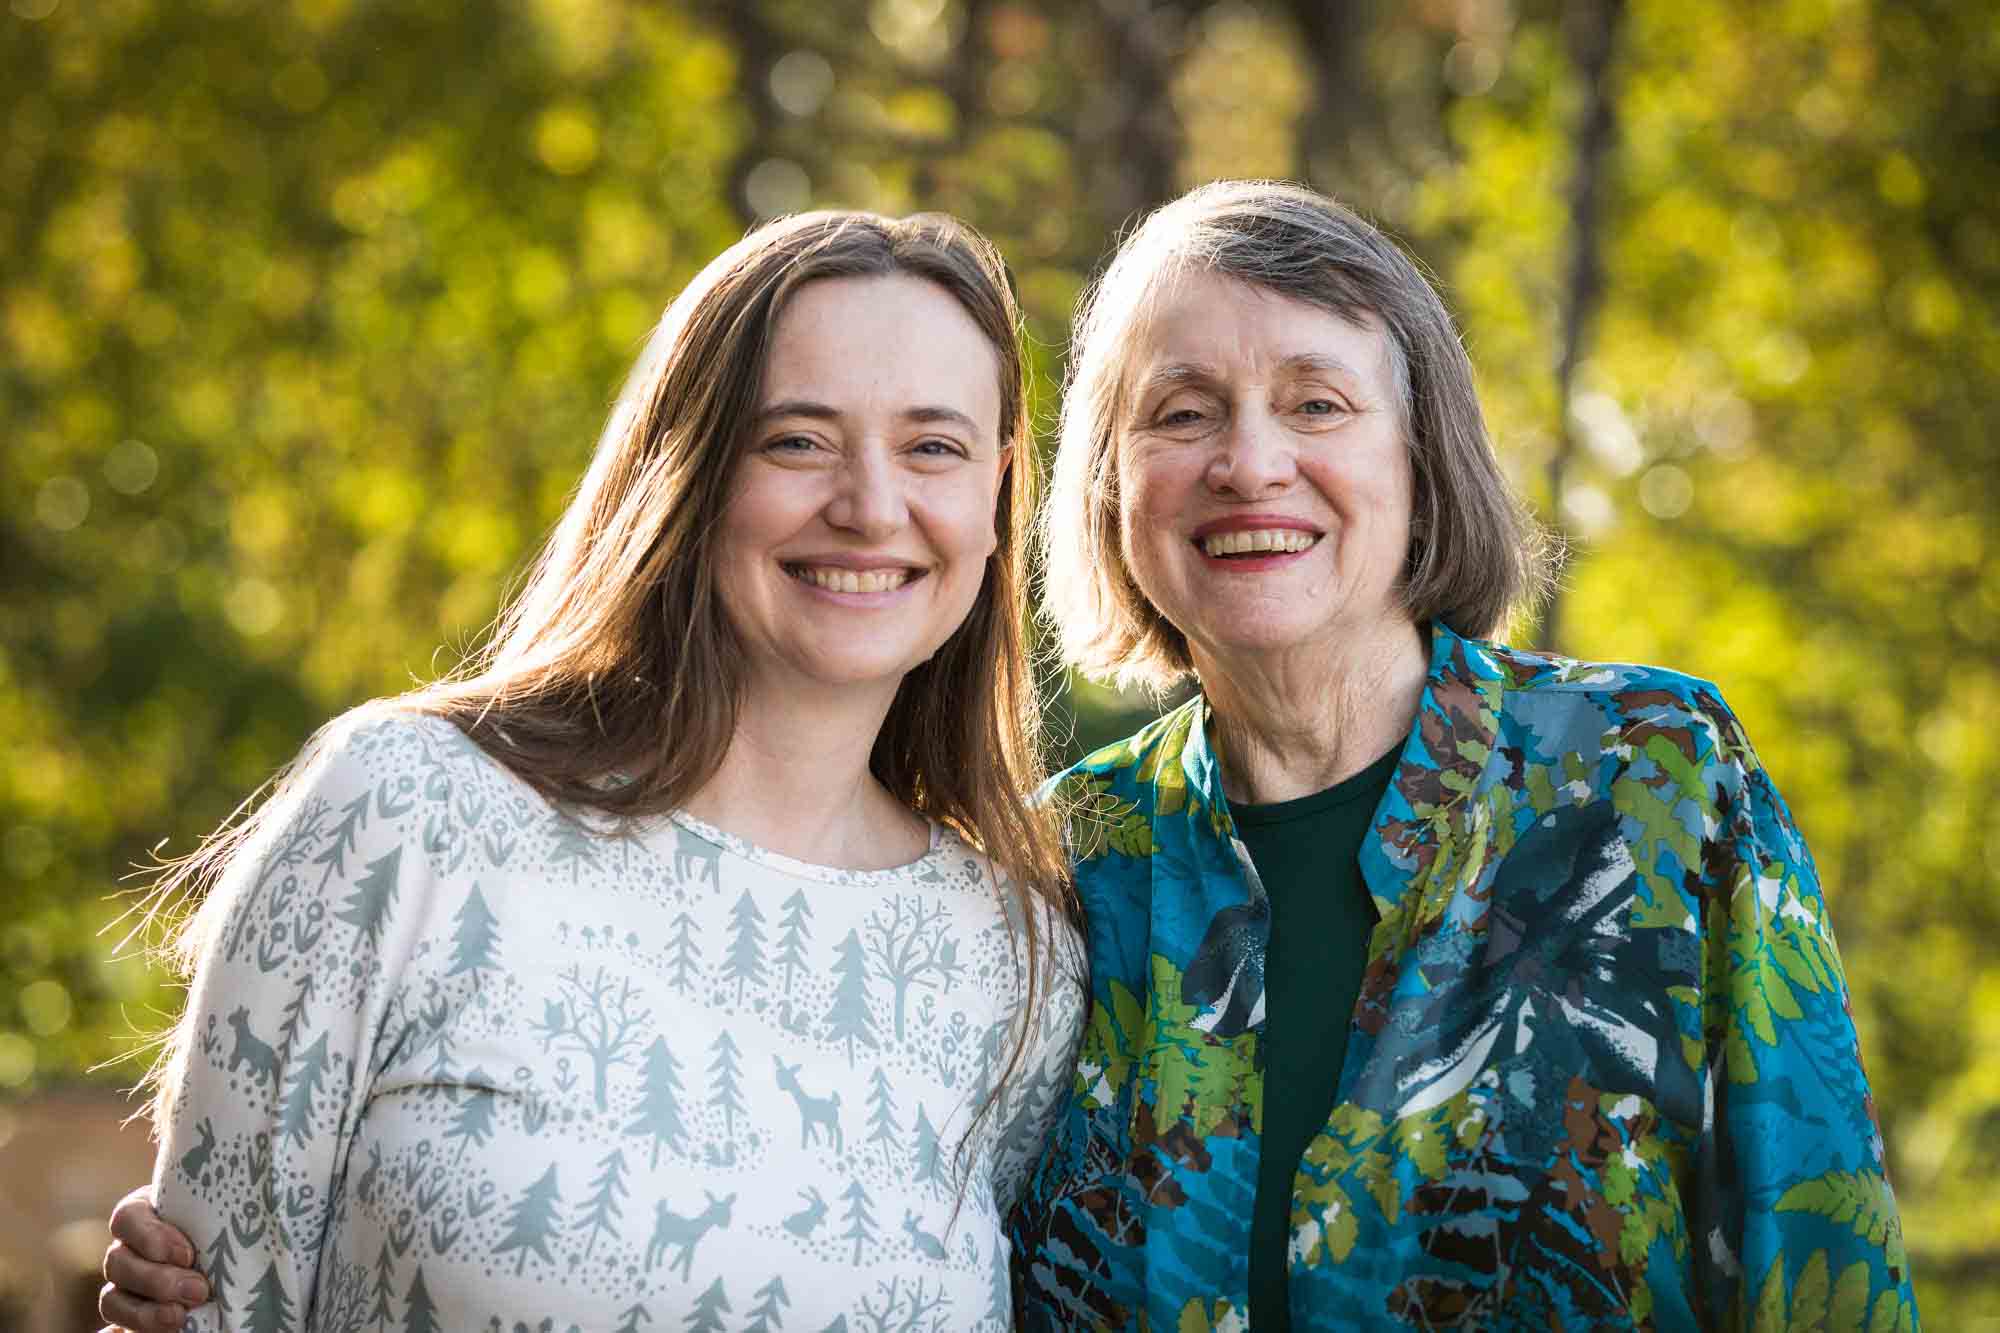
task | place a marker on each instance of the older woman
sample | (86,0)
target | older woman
(1434,983)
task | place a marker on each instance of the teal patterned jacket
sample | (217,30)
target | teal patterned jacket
(1602,1073)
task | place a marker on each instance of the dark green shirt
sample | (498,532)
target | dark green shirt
(1307,853)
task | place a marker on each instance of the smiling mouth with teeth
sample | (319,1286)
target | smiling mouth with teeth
(851,580)
(1263,541)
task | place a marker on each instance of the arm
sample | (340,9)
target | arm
(298,948)
(1797,1224)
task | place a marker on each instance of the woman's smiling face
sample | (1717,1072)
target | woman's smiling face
(1264,481)
(862,513)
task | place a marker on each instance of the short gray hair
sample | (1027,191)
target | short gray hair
(1475,553)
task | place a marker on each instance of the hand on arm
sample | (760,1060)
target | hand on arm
(150,1281)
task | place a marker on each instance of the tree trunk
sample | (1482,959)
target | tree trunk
(1593,33)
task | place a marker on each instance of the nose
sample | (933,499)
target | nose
(868,499)
(1257,457)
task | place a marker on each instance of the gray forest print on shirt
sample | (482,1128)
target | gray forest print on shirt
(462,1061)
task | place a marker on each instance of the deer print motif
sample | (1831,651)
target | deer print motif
(696,858)
(927,1245)
(263,1061)
(806,1221)
(813,1111)
(670,1228)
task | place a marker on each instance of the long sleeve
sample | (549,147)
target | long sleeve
(1796,1222)
(302,942)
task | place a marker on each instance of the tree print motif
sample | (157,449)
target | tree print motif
(421,1313)
(683,956)
(765,1315)
(367,908)
(572,845)
(910,944)
(270,1308)
(475,939)
(473,1124)
(601,1210)
(726,1076)
(882,1125)
(659,1114)
(848,1019)
(860,1217)
(709,1307)
(793,932)
(596,1018)
(531,1222)
(744,963)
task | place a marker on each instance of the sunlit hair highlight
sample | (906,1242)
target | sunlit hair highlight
(1475,554)
(615,658)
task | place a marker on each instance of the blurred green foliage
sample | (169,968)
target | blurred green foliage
(309,310)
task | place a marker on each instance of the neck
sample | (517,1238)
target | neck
(1288,724)
(796,780)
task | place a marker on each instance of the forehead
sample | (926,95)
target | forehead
(1206,325)
(888,342)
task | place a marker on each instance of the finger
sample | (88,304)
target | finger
(148,1281)
(136,1223)
(125,1312)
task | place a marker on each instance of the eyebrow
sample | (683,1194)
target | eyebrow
(815,411)
(1199,372)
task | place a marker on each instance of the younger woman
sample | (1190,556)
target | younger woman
(695,953)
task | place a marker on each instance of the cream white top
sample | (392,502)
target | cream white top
(462,1062)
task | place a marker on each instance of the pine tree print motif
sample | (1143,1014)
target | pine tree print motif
(709,1307)
(860,1219)
(219,1262)
(848,1020)
(883,1128)
(571,845)
(476,939)
(601,1210)
(420,1315)
(765,1316)
(928,1152)
(531,1222)
(473,1124)
(295,1116)
(374,894)
(383,1313)
(632,1317)
(793,933)
(270,1308)
(683,956)
(726,1077)
(744,963)
(659,1112)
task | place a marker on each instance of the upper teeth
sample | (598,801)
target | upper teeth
(853,580)
(1265,539)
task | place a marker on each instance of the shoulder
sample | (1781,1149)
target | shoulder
(1628,701)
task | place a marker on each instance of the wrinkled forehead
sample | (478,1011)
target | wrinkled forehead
(1167,331)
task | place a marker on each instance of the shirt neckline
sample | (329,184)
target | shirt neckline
(798,869)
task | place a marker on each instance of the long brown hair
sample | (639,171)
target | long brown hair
(616,657)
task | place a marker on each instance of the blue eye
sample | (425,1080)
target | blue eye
(1319,407)
(935,448)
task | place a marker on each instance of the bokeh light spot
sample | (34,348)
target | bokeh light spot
(131,467)
(1666,491)
(775,186)
(566,138)
(46,1007)
(800,82)
(17,1059)
(254,607)
(62,504)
